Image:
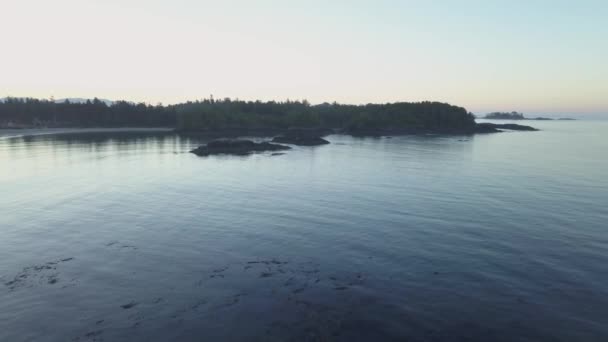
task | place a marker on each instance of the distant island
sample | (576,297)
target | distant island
(515,116)
(505,116)
(227,117)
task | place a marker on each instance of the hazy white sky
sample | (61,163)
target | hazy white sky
(533,56)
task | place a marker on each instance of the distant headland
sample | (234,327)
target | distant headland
(228,117)
(516,116)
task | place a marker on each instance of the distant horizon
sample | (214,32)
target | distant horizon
(542,57)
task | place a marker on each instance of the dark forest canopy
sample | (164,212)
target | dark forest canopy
(47,113)
(210,114)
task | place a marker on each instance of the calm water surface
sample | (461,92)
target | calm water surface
(126,237)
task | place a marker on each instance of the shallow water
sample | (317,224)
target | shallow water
(126,237)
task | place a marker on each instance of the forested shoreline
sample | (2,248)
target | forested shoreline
(227,114)
(28,112)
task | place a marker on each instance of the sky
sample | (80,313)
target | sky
(533,56)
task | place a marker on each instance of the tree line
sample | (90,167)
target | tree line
(211,114)
(225,114)
(48,113)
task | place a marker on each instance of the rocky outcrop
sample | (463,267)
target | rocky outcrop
(302,137)
(486,128)
(495,128)
(236,147)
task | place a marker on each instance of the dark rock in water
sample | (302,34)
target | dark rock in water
(486,128)
(129,305)
(303,137)
(301,141)
(515,127)
(495,128)
(238,147)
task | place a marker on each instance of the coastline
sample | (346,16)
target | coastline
(7,133)
(479,128)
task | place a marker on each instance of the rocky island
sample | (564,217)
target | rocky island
(303,137)
(496,128)
(517,116)
(290,122)
(505,116)
(236,147)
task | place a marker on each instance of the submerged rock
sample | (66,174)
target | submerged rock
(238,147)
(129,305)
(302,137)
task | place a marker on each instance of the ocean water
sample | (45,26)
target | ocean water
(127,237)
